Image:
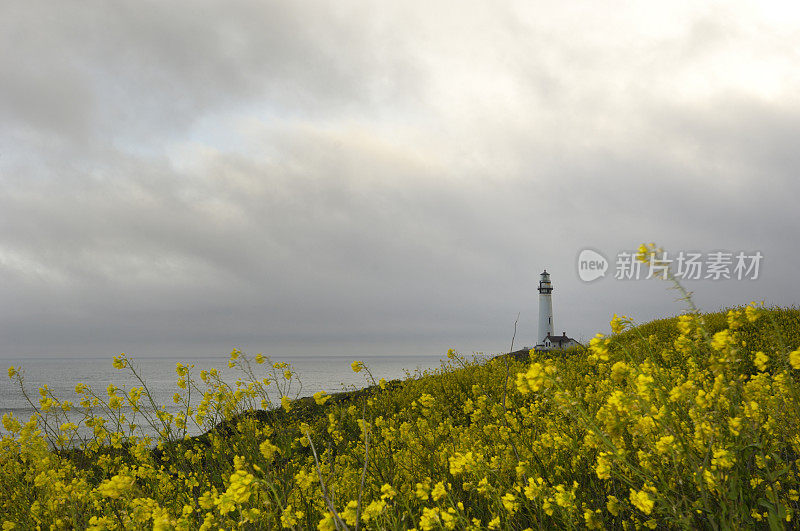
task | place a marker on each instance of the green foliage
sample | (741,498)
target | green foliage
(687,422)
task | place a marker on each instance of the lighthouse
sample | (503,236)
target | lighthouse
(546,339)
(545,308)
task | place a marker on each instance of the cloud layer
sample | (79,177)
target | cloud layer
(379,178)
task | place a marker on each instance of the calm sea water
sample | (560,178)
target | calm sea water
(330,374)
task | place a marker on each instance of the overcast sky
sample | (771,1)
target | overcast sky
(179,178)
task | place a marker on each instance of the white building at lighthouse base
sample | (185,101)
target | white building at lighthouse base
(561,342)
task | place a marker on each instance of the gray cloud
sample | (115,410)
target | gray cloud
(375,178)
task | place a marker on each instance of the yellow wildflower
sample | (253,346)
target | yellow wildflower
(510,502)
(721,340)
(619,371)
(752,313)
(373,510)
(116,486)
(268,450)
(642,501)
(387,492)
(664,444)
(760,361)
(439,491)
(320,397)
(794,359)
(327,523)
(422,490)
(288,517)
(723,459)
(603,468)
(618,323)
(429,518)
(598,346)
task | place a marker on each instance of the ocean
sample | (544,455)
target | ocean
(329,373)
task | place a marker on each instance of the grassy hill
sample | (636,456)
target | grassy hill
(688,422)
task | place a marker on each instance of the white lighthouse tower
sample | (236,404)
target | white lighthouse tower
(545,308)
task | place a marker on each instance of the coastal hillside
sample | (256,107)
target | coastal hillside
(686,422)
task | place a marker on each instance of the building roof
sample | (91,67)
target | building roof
(559,339)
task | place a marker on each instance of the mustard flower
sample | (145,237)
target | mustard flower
(239,489)
(723,459)
(510,502)
(116,486)
(603,468)
(429,518)
(664,444)
(642,501)
(427,400)
(268,450)
(534,379)
(304,479)
(327,523)
(794,359)
(619,371)
(752,313)
(760,361)
(439,491)
(320,397)
(565,498)
(288,517)
(373,510)
(735,319)
(721,340)
(350,513)
(388,492)
(619,323)
(598,346)
(422,490)
(461,463)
